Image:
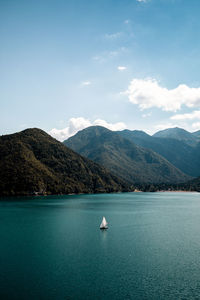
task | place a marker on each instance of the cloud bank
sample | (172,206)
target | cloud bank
(76,124)
(147,93)
(189,116)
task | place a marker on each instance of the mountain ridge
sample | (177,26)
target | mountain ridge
(178,152)
(122,157)
(178,134)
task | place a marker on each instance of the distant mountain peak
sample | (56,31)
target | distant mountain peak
(95,128)
(173,130)
(178,134)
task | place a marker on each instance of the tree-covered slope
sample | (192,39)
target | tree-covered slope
(178,134)
(123,158)
(192,185)
(196,134)
(179,153)
(32,161)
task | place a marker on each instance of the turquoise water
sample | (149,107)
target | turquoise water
(52,248)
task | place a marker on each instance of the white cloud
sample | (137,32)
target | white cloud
(126,21)
(141,0)
(148,93)
(190,116)
(196,126)
(111,126)
(113,36)
(121,68)
(86,83)
(76,124)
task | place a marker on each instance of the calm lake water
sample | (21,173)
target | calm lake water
(52,248)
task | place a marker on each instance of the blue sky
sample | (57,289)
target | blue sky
(67,64)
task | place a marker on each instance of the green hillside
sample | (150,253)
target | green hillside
(178,134)
(123,158)
(192,185)
(31,162)
(178,152)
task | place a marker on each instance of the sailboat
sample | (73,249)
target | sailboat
(104,224)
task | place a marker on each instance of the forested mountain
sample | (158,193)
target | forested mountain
(31,162)
(178,134)
(178,152)
(124,158)
(197,134)
(192,185)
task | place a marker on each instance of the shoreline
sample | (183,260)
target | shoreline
(76,194)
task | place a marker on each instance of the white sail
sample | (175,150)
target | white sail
(104,223)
